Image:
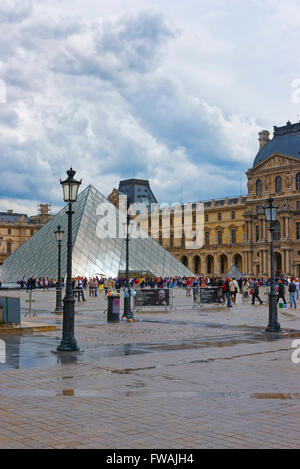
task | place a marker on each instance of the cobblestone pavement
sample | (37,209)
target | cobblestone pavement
(182,379)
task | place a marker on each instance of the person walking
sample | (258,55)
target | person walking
(233,289)
(90,284)
(227,292)
(188,287)
(195,289)
(292,292)
(80,290)
(255,293)
(281,292)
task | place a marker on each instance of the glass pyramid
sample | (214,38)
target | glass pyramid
(91,256)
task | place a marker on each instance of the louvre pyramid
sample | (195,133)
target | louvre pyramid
(91,256)
(234,272)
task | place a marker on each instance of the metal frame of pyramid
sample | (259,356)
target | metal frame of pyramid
(91,256)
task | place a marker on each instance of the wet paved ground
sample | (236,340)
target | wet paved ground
(182,379)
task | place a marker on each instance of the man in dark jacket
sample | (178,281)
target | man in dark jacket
(255,293)
(281,292)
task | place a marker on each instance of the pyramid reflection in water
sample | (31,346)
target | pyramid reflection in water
(91,256)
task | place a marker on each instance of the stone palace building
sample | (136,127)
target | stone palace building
(235,228)
(16,228)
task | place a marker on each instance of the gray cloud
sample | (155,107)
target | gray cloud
(97,95)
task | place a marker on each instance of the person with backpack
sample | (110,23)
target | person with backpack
(292,292)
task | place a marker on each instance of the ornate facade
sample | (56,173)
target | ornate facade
(235,228)
(16,228)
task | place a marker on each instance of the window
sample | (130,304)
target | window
(206,217)
(233,215)
(31,232)
(9,247)
(298,181)
(220,237)
(183,241)
(259,187)
(206,238)
(172,240)
(298,231)
(298,205)
(9,231)
(277,231)
(160,239)
(219,216)
(257,232)
(233,236)
(278,185)
(194,218)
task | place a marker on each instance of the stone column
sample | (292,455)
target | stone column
(250,261)
(216,265)
(283,264)
(287,260)
(264,230)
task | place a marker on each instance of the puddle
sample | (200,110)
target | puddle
(280,396)
(36,351)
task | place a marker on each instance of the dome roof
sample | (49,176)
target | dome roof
(286,141)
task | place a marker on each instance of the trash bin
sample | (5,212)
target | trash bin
(113,311)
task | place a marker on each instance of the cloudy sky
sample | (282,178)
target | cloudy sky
(172,91)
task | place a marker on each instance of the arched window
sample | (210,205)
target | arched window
(298,181)
(259,187)
(210,263)
(277,231)
(278,185)
(184,260)
(196,264)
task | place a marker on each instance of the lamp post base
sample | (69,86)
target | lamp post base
(273,325)
(68,346)
(59,306)
(68,342)
(127,309)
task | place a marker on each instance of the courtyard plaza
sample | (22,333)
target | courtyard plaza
(187,378)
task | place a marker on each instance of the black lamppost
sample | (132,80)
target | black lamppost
(127,294)
(273,326)
(59,237)
(68,344)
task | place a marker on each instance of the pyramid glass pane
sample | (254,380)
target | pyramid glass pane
(91,255)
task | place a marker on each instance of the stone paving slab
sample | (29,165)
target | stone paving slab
(215,381)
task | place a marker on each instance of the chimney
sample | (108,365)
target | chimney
(10,211)
(263,138)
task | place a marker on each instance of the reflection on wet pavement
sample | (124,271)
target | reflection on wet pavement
(40,350)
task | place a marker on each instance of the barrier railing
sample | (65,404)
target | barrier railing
(154,298)
(208,296)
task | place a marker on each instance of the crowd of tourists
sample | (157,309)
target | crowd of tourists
(227,288)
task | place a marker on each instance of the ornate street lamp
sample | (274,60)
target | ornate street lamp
(273,326)
(127,294)
(68,343)
(59,237)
